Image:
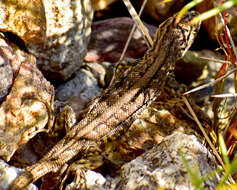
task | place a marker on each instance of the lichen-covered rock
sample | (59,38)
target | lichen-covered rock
(163,167)
(67,35)
(26,19)
(25,111)
(56,32)
(6,71)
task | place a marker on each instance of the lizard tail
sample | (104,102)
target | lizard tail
(33,173)
(23,181)
(52,161)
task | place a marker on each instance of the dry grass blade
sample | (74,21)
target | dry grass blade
(227,95)
(131,33)
(229,35)
(205,135)
(186,8)
(232,57)
(214,11)
(138,22)
(215,60)
(211,83)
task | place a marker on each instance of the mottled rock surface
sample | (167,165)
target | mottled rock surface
(26,19)
(25,110)
(83,87)
(163,167)
(55,32)
(67,35)
(6,70)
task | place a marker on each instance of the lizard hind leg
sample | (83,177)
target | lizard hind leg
(91,160)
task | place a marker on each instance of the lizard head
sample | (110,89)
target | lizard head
(176,39)
(186,33)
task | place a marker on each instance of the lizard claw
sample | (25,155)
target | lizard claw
(79,181)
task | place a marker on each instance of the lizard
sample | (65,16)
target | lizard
(112,112)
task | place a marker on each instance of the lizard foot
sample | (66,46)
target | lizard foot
(91,160)
(79,181)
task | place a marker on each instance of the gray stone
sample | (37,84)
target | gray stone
(8,174)
(66,38)
(162,166)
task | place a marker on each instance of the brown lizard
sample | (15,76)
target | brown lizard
(118,106)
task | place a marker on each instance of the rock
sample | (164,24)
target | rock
(26,19)
(160,9)
(108,39)
(79,90)
(55,32)
(93,181)
(101,4)
(67,35)
(163,167)
(8,174)
(6,70)
(25,110)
